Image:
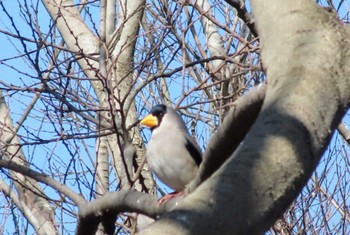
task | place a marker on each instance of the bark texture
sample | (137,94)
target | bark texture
(306,51)
(39,212)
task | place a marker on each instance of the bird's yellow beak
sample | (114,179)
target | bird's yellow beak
(149,121)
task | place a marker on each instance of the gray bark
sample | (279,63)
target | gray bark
(305,50)
(29,194)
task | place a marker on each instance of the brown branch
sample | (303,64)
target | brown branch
(230,134)
(243,13)
(43,178)
(92,213)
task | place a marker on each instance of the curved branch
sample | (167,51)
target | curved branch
(243,13)
(92,213)
(304,103)
(230,134)
(43,178)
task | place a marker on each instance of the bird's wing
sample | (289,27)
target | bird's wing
(193,150)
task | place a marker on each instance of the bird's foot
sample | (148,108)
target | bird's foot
(168,197)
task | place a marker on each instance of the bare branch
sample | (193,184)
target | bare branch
(243,13)
(113,203)
(43,178)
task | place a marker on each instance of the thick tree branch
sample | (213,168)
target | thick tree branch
(231,133)
(27,189)
(91,213)
(27,211)
(78,37)
(304,103)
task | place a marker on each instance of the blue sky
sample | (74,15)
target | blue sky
(48,154)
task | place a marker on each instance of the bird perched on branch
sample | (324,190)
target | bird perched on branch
(172,153)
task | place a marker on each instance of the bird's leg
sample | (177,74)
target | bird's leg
(169,196)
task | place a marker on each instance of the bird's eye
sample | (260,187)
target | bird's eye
(158,111)
(158,114)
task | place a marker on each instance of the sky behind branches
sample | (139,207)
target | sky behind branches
(61,156)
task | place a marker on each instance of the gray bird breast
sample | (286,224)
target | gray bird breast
(169,159)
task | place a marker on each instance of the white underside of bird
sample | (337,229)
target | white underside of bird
(172,168)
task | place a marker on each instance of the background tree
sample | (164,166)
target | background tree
(78,75)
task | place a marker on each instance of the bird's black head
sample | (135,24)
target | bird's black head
(155,117)
(159,111)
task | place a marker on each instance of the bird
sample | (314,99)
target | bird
(172,154)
